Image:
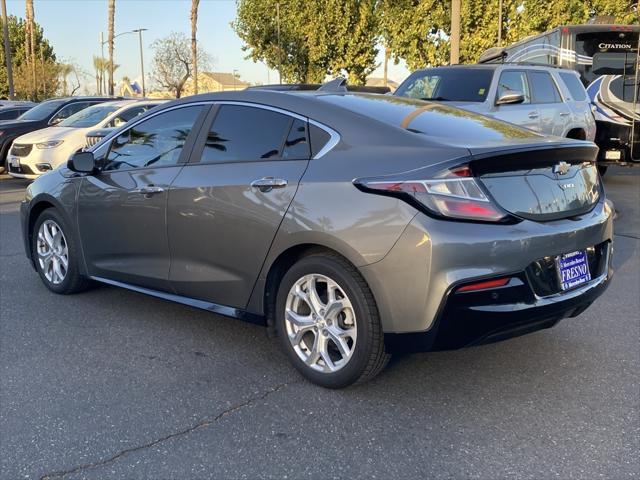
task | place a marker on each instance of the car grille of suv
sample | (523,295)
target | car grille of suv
(21,150)
(91,141)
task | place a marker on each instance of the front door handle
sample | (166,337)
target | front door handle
(533,115)
(267,184)
(149,190)
(564,114)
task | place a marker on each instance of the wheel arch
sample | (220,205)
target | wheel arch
(38,205)
(264,295)
(577,133)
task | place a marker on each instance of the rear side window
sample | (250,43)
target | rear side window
(9,114)
(319,138)
(241,133)
(514,81)
(543,88)
(576,89)
(297,143)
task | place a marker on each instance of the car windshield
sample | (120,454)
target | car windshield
(448,84)
(89,116)
(42,111)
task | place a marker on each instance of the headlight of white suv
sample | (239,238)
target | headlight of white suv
(50,144)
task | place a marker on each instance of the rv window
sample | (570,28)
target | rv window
(614,63)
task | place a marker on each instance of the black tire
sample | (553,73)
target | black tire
(4,165)
(73,281)
(368,357)
(602,169)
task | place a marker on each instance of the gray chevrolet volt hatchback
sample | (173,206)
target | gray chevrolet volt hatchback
(351,225)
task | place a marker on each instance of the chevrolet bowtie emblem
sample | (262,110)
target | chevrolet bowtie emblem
(561,168)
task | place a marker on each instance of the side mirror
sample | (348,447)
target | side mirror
(510,97)
(118,122)
(82,162)
(55,121)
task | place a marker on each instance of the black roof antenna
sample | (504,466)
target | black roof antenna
(338,84)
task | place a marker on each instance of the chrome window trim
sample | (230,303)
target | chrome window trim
(334,137)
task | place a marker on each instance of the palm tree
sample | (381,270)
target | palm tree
(194,43)
(99,66)
(112,13)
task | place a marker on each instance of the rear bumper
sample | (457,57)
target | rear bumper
(475,318)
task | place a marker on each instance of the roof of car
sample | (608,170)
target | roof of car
(494,66)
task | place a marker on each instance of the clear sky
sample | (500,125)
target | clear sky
(73,27)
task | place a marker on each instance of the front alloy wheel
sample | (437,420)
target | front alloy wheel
(53,253)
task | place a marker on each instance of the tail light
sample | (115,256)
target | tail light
(453,193)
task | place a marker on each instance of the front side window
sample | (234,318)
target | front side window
(155,142)
(573,83)
(513,81)
(241,133)
(543,88)
(126,115)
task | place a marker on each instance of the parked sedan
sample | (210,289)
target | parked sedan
(50,112)
(352,225)
(37,152)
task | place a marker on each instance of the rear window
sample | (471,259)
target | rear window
(448,84)
(543,88)
(574,85)
(432,119)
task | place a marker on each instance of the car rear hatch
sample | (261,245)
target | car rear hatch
(541,184)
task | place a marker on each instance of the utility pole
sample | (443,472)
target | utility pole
(499,23)
(279,44)
(139,31)
(7,48)
(455,32)
(102,57)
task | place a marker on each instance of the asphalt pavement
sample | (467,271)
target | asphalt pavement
(116,384)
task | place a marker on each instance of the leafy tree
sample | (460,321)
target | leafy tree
(172,65)
(418,30)
(45,60)
(316,37)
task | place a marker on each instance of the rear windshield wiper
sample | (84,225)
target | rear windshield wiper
(437,99)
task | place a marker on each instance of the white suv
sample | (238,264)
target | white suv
(548,100)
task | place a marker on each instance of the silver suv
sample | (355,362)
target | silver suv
(547,100)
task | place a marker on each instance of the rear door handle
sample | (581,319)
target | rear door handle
(267,184)
(533,115)
(149,190)
(564,114)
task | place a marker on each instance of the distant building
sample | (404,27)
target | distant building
(215,82)
(379,82)
(130,89)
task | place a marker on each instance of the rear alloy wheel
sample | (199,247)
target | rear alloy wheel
(328,322)
(55,254)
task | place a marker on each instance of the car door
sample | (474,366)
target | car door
(226,205)
(524,114)
(122,208)
(554,113)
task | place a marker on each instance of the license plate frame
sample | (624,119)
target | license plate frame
(612,155)
(573,270)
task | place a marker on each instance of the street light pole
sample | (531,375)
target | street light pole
(139,31)
(7,48)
